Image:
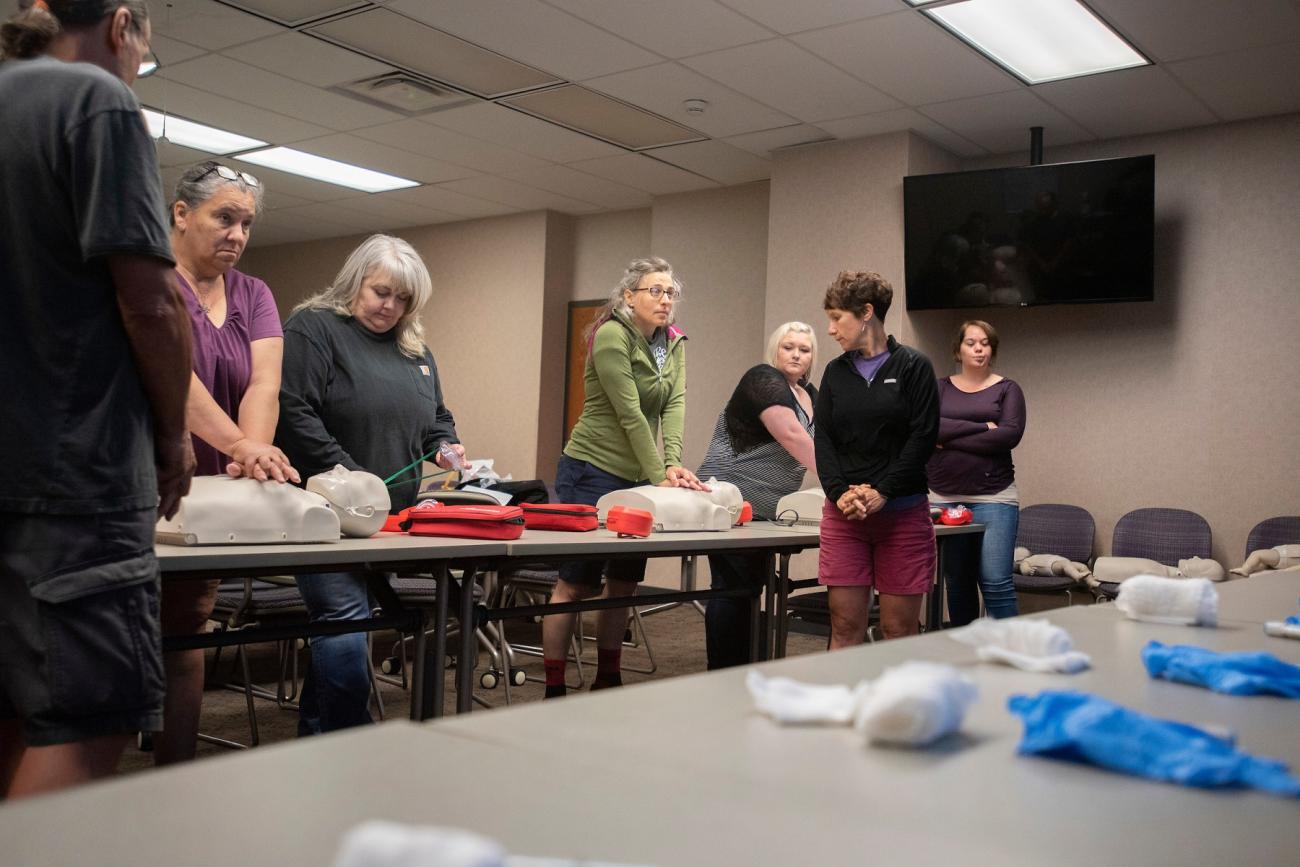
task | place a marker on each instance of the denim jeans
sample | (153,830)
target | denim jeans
(969,564)
(582,482)
(336,690)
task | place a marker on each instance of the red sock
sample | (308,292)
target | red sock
(609,662)
(554,671)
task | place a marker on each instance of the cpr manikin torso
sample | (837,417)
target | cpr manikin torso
(802,507)
(1117,569)
(358,498)
(1049,564)
(674,509)
(220,510)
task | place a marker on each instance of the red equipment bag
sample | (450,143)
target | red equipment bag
(575,517)
(466,522)
(629,522)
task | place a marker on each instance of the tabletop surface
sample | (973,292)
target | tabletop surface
(684,771)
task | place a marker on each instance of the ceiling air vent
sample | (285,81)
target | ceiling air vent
(405,92)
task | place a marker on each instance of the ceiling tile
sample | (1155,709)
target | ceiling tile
(663,88)
(208,24)
(1177,29)
(296,11)
(765,141)
(644,173)
(597,114)
(228,114)
(673,28)
(381,158)
(518,195)
(275,181)
(275,199)
(1245,84)
(882,51)
(717,160)
(532,33)
(901,119)
(1000,122)
(170,155)
(306,59)
(229,77)
(788,78)
(449,146)
(784,16)
(1127,102)
(521,132)
(398,213)
(439,199)
(582,186)
(173,50)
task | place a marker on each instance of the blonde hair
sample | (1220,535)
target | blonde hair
(406,270)
(774,342)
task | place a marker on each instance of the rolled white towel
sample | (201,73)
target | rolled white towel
(914,704)
(377,843)
(1027,644)
(1179,601)
(791,702)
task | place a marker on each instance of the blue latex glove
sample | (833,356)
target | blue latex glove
(1078,727)
(1293,620)
(1228,673)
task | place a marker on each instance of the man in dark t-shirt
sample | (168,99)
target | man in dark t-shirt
(95,346)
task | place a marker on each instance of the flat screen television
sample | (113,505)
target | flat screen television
(1069,233)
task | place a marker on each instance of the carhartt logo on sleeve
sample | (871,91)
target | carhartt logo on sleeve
(424,368)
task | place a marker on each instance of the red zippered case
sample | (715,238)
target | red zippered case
(629,522)
(573,517)
(467,522)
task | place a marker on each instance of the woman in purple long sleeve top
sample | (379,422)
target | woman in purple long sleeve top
(981,419)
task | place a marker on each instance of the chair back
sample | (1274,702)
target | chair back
(1163,535)
(1271,532)
(1055,528)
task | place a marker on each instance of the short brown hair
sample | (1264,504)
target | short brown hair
(854,290)
(983,326)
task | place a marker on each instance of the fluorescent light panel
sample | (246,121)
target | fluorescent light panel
(307,165)
(197,136)
(1038,40)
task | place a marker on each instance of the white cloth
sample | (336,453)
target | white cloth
(1179,601)
(915,704)
(377,843)
(793,703)
(1027,644)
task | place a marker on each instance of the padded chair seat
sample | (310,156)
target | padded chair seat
(1044,583)
(266,599)
(423,591)
(1109,589)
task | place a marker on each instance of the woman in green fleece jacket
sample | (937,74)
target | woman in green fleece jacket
(635,384)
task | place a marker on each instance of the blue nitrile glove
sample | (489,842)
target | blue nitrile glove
(1228,673)
(1293,620)
(1078,727)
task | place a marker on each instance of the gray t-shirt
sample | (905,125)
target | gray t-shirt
(80,181)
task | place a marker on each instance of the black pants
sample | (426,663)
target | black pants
(726,621)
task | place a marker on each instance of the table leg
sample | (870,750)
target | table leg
(782,627)
(465,658)
(433,673)
(934,611)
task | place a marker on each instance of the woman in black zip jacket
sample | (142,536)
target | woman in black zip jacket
(877,422)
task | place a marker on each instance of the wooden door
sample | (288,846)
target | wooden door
(581,315)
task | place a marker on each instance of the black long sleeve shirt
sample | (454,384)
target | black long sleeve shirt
(352,397)
(879,433)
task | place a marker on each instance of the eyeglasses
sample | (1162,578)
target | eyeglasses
(149,64)
(657,292)
(230,174)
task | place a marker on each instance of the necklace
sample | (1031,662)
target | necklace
(204,305)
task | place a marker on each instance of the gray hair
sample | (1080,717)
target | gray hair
(636,269)
(32,28)
(774,342)
(201,182)
(404,267)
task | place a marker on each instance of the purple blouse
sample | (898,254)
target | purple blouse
(223,357)
(976,459)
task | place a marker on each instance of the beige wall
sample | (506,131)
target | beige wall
(602,245)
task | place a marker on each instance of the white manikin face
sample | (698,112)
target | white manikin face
(359,499)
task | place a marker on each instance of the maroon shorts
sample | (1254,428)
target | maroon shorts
(891,551)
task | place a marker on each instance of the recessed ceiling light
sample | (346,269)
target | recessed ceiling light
(1038,40)
(196,135)
(307,165)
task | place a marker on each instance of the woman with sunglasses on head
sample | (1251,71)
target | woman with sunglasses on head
(234,395)
(635,384)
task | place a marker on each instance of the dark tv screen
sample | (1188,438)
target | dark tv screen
(1070,233)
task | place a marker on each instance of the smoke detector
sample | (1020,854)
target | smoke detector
(695,106)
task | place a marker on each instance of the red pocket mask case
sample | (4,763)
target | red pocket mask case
(955,516)
(572,517)
(466,522)
(629,522)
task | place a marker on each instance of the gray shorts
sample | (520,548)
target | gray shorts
(80,649)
